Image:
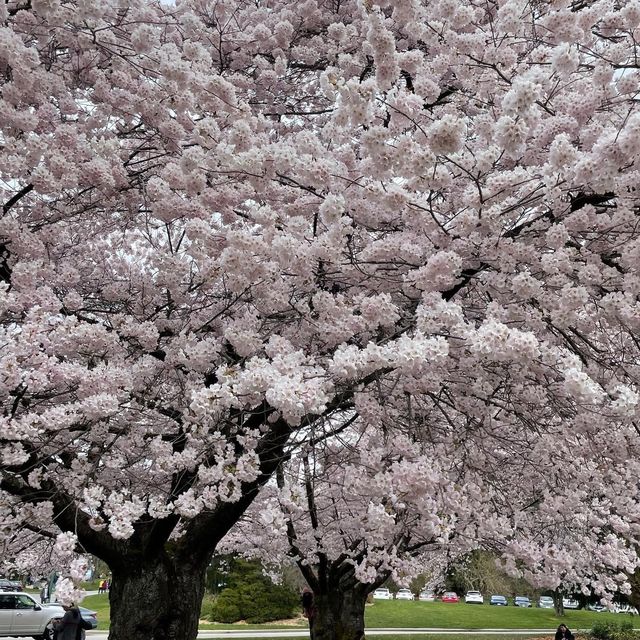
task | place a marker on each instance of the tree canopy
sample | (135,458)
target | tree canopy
(229,228)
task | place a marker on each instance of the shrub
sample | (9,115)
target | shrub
(610,630)
(255,603)
(223,610)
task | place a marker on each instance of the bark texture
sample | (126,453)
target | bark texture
(156,600)
(339,615)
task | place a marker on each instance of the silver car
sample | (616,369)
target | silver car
(21,616)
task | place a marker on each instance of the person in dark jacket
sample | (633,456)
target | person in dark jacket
(308,605)
(69,627)
(563,633)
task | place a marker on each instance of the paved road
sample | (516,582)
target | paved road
(370,632)
(303,633)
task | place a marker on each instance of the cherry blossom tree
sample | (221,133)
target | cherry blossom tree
(372,504)
(227,226)
(359,509)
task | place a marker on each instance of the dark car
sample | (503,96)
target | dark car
(89,616)
(10,585)
(498,601)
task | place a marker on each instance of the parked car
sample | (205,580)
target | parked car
(474,597)
(426,595)
(89,616)
(597,607)
(404,594)
(522,601)
(570,603)
(498,601)
(382,594)
(545,602)
(21,616)
(624,608)
(450,596)
(10,585)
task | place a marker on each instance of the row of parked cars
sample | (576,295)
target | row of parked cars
(544,602)
(471,597)
(475,597)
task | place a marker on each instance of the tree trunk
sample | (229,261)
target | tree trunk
(634,596)
(338,615)
(157,599)
(558,604)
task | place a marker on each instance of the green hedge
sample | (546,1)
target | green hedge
(255,603)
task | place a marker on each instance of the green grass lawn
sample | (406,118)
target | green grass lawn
(100,604)
(405,614)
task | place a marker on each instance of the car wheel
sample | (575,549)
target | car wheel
(48,632)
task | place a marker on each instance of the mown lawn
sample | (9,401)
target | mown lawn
(405,615)
(100,604)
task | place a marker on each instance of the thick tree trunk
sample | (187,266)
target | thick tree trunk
(634,596)
(338,615)
(156,600)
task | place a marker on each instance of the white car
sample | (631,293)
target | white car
(427,596)
(382,594)
(21,616)
(474,597)
(624,608)
(545,602)
(570,603)
(404,594)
